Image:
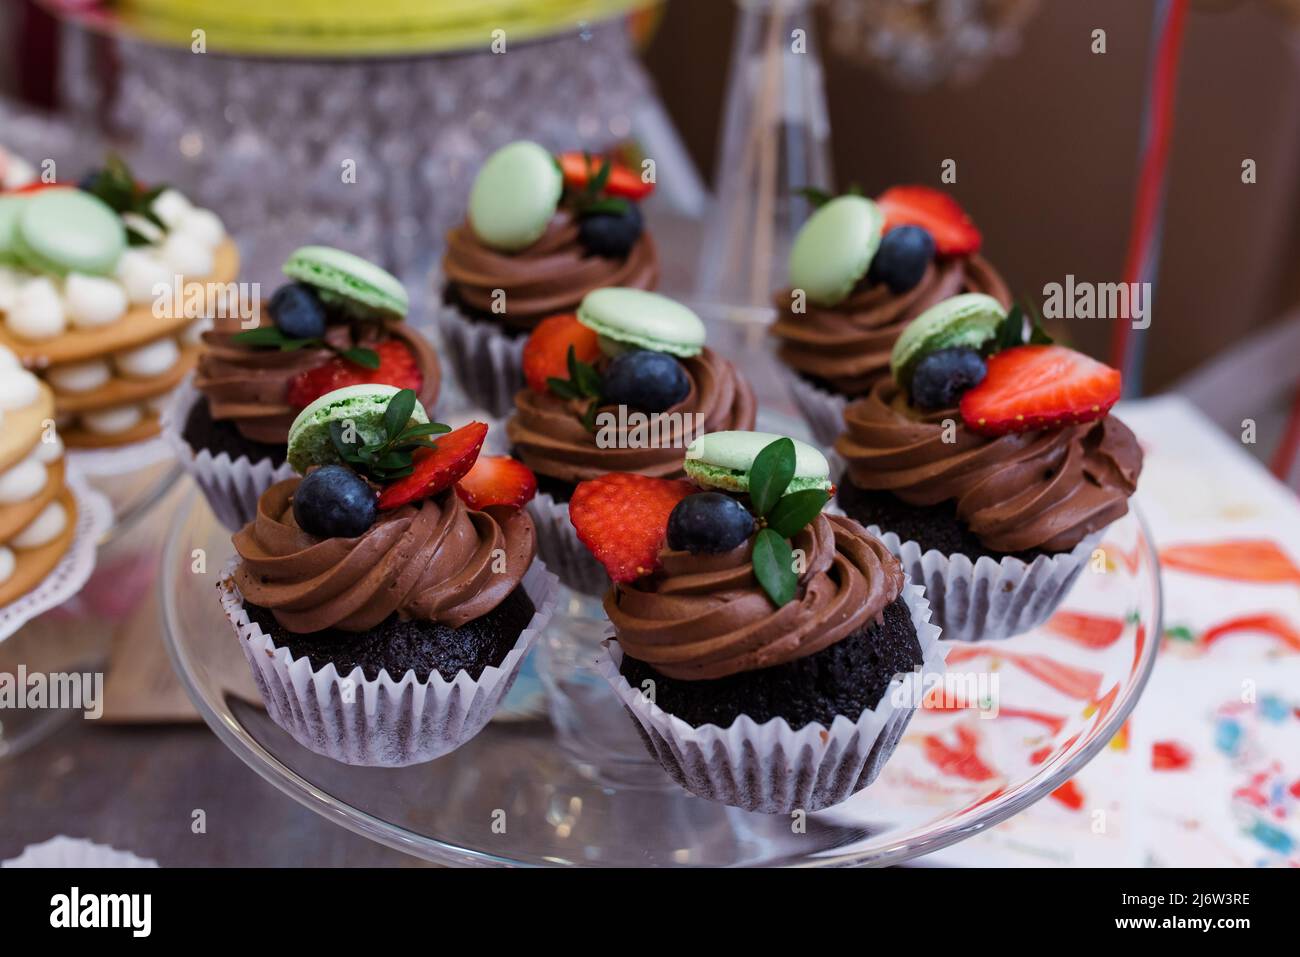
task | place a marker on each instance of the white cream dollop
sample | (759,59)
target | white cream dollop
(79,376)
(47,453)
(140,271)
(171,206)
(23,481)
(187,256)
(204,226)
(144,226)
(10,281)
(149,360)
(44,528)
(7,564)
(112,421)
(18,389)
(93,301)
(37,311)
(192,335)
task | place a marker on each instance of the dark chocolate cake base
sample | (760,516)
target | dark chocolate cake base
(202,431)
(847,678)
(397,646)
(930,526)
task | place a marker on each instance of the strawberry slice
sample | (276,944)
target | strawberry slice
(36,187)
(623,181)
(547,349)
(497,480)
(1028,388)
(622,518)
(397,367)
(938,213)
(437,469)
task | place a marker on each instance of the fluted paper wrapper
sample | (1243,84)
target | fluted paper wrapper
(822,410)
(488,364)
(384,722)
(559,546)
(989,600)
(232,488)
(769,767)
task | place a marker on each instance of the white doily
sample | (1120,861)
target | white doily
(94,518)
(63,851)
(121,459)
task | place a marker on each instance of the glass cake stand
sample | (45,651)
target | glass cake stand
(1063,691)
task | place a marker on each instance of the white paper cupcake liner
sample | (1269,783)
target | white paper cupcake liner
(232,488)
(769,767)
(94,518)
(989,600)
(559,546)
(487,363)
(385,722)
(822,410)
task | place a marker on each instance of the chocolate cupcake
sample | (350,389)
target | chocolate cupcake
(860,271)
(625,386)
(541,232)
(339,323)
(989,466)
(768,652)
(385,601)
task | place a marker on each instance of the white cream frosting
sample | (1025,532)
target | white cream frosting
(203,226)
(10,280)
(7,564)
(93,301)
(192,334)
(139,271)
(186,256)
(80,376)
(18,389)
(23,481)
(44,528)
(37,311)
(47,453)
(144,226)
(121,418)
(15,172)
(171,207)
(149,360)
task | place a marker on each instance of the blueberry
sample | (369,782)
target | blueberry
(334,502)
(708,522)
(942,376)
(650,381)
(610,234)
(87,183)
(900,261)
(298,311)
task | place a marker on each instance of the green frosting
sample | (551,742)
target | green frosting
(309,436)
(723,460)
(833,250)
(342,277)
(66,230)
(515,196)
(642,319)
(969,320)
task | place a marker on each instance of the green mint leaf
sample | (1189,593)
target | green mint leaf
(393,460)
(588,381)
(816,197)
(261,336)
(796,510)
(398,412)
(601,178)
(1038,336)
(774,566)
(349,451)
(1011,332)
(362,357)
(135,239)
(563,388)
(589,417)
(770,475)
(612,205)
(423,428)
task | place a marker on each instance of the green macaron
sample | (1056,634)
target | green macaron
(515,196)
(833,250)
(362,406)
(969,320)
(340,277)
(723,460)
(642,320)
(66,230)
(10,207)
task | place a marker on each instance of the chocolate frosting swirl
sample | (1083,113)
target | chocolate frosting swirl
(706,616)
(1046,490)
(847,345)
(248,385)
(436,560)
(548,436)
(550,276)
